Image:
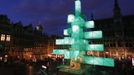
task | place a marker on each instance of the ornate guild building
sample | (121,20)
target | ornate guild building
(118,34)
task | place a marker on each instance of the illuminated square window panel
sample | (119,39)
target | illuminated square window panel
(95,47)
(93,35)
(89,24)
(109,62)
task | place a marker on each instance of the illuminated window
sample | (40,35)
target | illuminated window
(8,38)
(2,37)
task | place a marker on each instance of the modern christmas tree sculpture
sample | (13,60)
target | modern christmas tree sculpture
(78,40)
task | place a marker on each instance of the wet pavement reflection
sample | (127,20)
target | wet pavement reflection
(122,67)
(30,70)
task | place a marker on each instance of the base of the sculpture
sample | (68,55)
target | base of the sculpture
(86,70)
(67,70)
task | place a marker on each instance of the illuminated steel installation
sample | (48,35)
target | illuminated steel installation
(78,40)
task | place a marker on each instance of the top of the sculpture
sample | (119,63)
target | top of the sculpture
(77,7)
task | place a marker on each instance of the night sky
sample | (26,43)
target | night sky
(52,14)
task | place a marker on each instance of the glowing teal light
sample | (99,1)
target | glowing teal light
(66,32)
(63,52)
(65,41)
(95,47)
(59,41)
(74,54)
(75,28)
(93,35)
(109,62)
(59,51)
(77,7)
(89,24)
(71,18)
(78,40)
(66,53)
(68,40)
(79,45)
(79,21)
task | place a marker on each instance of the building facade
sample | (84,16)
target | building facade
(118,34)
(21,42)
